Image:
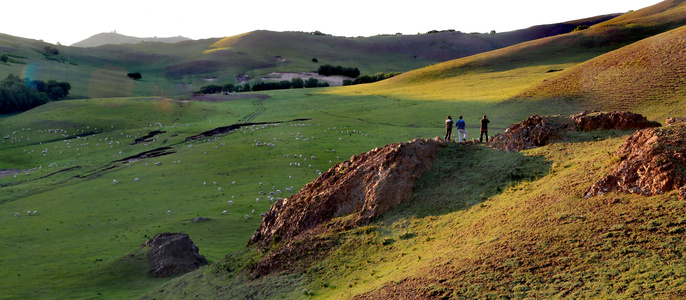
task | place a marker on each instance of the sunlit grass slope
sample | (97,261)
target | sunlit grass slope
(647,76)
(505,73)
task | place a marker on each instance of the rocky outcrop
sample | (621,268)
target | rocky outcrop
(536,131)
(653,161)
(672,121)
(618,120)
(172,254)
(366,186)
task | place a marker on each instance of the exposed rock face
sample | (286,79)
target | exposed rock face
(672,121)
(536,131)
(653,162)
(619,120)
(173,253)
(367,185)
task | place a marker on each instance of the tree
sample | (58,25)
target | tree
(135,76)
(210,89)
(4,58)
(51,50)
(315,60)
(56,90)
(297,83)
(311,82)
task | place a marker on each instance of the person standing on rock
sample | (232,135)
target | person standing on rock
(448,128)
(461,131)
(484,129)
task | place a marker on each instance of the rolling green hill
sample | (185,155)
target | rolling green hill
(481,223)
(178,69)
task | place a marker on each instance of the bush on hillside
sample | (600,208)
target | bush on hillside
(369,78)
(135,76)
(581,27)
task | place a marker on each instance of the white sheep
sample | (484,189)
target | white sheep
(28,212)
(169,212)
(246,216)
(230,202)
(219,189)
(136,179)
(115,181)
(16,214)
(224,212)
(257,200)
(35,212)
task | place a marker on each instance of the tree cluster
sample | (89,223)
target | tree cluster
(369,78)
(328,70)
(18,95)
(295,83)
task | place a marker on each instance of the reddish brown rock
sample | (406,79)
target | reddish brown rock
(536,131)
(619,120)
(366,186)
(172,254)
(653,161)
(672,121)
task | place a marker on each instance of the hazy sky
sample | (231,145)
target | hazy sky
(70,21)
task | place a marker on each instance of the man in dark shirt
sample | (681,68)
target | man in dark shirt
(448,128)
(484,129)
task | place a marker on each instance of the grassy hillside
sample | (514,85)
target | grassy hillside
(505,73)
(178,69)
(652,72)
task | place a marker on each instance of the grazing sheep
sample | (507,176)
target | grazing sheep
(16,214)
(246,216)
(28,212)
(169,212)
(158,163)
(219,189)
(233,182)
(136,179)
(230,202)
(257,200)
(253,211)
(262,215)
(35,212)
(115,181)
(224,212)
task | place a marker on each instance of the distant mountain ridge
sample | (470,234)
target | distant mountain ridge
(107,38)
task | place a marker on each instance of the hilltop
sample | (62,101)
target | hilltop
(114,38)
